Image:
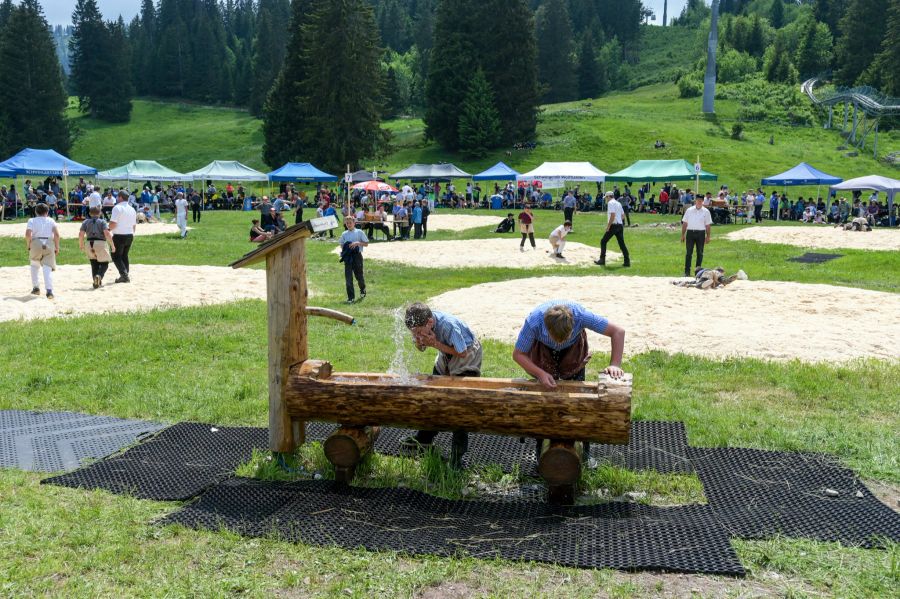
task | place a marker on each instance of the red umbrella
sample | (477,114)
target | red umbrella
(374,186)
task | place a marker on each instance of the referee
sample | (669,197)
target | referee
(695,227)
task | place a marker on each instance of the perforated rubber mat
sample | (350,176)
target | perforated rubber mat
(814,258)
(176,464)
(617,535)
(54,441)
(660,446)
(759,494)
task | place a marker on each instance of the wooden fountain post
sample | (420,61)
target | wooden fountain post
(287,291)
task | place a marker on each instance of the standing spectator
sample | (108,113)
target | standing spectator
(417,219)
(298,209)
(426,211)
(196,206)
(758,200)
(122,223)
(95,232)
(181,206)
(773,206)
(664,201)
(154,205)
(569,208)
(695,230)
(614,228)
(42,243)
(352,242)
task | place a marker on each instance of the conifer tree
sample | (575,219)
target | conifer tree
(588,71)
(5,10)
(32,98)
(269,46)
(393,103)
(449,73)
(87,48)
(341,95)
(830,12)
(479,123)
(814,49)
(142,36)
(554,42)
(778,67)
(776,14)
(509,63)
(282,116)
(884,72)
(861,25)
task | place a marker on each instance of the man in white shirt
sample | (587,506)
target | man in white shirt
(122,223)
(558,239)
(695,230)
(94,200)
(614,228)
(181,208)
(42,242)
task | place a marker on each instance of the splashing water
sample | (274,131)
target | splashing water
(400,362)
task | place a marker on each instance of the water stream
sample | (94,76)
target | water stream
(402,351)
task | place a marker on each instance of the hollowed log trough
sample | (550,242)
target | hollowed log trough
(360,402)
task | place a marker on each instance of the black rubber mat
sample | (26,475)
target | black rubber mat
(54,441)
(176,464)
(814,258)
(660,446)
(624,536)
(759,494)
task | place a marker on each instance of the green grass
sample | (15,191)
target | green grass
(209,364)
(612,132)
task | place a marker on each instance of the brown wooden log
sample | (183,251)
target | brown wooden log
(599,412)
(348,445)
(560,462)
(286,301)
(328,313)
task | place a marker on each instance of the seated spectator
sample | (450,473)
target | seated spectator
(257,234)
(280,225)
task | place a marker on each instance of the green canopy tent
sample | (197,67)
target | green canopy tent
(141,170)
(661,170)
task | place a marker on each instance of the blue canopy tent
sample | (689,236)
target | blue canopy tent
(498,172)
(802,174)
(44,163)
(300,171)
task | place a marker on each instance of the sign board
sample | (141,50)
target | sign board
(65,171)
(323,224)
(348,178)
(697,167)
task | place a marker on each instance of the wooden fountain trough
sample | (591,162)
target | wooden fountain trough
(301,389)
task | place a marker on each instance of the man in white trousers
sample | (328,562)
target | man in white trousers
(181,208)
(42,241)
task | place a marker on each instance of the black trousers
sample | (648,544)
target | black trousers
(568,213)
(353,267)
(120,256)
(195,214)
(424,228)
(616,231)
(530,237)
(757,213)
(693,238)
(418,230)
(98,269)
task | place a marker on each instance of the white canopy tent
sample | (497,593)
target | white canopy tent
(226,170)
(555,174)
(875,183)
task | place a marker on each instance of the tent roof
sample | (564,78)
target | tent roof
(802,174)
(300,171)
(565,171)
(498,172)
(227,170)
(138,170)
(660,170)
(873,182)
(361,176)
(431,172)
(44,162)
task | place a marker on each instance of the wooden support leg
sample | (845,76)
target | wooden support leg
(347,446)
(560,465)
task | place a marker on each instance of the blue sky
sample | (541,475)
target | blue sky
(60,11)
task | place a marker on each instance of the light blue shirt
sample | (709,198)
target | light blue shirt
(451,331)
(534,328)
(352,236)
(417,215)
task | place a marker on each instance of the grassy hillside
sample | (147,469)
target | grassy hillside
(663,52)
(611,132)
